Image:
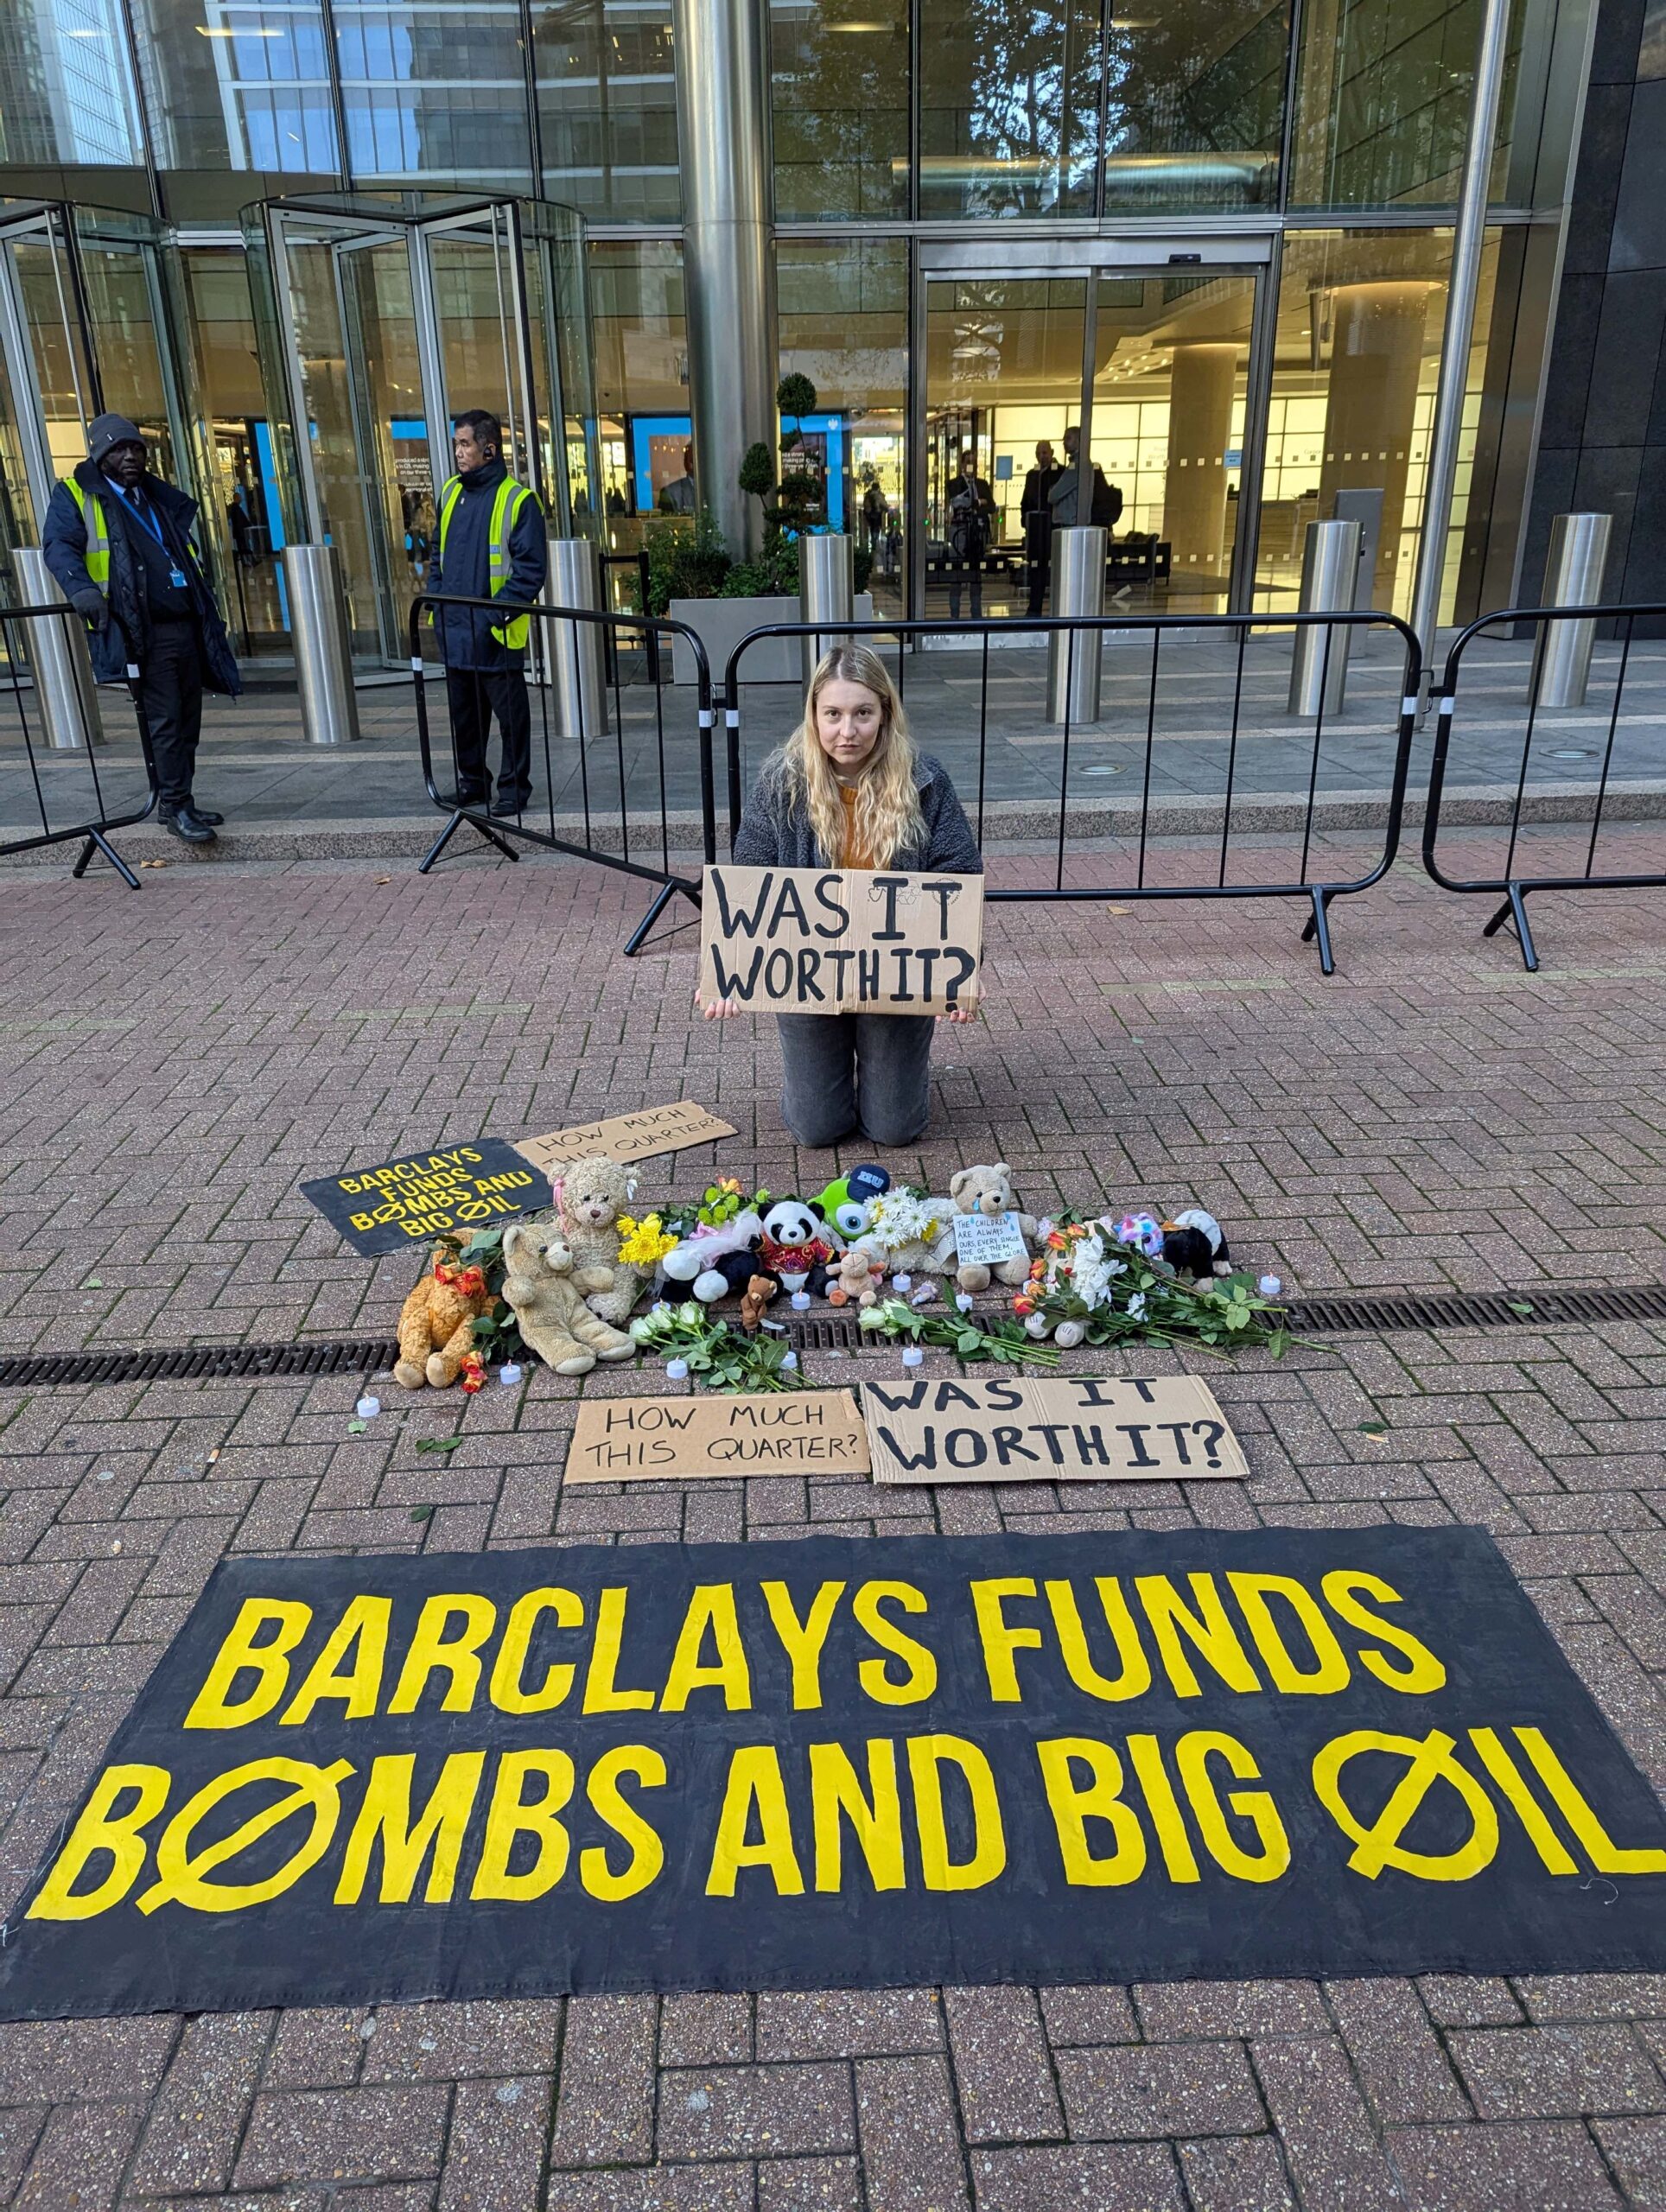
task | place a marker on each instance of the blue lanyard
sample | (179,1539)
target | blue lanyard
(141,515)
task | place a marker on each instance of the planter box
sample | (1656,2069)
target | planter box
(721,624)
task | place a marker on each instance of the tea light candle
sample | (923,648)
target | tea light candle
(801,1301)
(789,1359)
(509,1374)
(964,1299)
(902,1282)
(912,1355)
(368,1408)
(677,1370)
(1269,1286)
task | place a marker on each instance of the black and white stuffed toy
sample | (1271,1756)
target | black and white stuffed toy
(1194,1244)
(797,1248)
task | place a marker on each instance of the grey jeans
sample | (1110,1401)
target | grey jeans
(842,1072)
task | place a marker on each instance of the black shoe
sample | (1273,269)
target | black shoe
(462,798)
(501,806)
(189,827)
(203,814)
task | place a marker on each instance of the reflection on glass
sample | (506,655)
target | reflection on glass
(641,379)
(1382,101)
(57,356)
(1355,365)
(1009,106)
(607,106)
(844,324)
(1195,104)
(1003,376)
(124,317)
(840,70)
(244,516)
(235,85)
(66,93)
(1171,365)
(432,96)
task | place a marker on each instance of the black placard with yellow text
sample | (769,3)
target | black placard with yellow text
(1095,1756)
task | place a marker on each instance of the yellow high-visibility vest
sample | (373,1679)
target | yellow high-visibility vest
(505,508)
(97,532)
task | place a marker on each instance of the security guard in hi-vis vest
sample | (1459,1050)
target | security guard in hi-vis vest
(491,545)
(123,546)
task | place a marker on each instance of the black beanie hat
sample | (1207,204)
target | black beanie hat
(107,430)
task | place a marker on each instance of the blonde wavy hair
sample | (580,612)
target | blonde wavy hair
(887,815)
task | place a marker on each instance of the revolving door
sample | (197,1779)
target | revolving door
(378,321)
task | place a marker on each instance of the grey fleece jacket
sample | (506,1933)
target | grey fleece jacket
(774,833)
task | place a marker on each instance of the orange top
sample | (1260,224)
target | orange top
(853,855)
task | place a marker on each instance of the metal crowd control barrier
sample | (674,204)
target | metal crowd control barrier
(591,766)
(65,783)
(1511,882)
(1316,891)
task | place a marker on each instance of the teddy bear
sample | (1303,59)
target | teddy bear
(554,1319)
(797,1247)
(436,1322)
(854,1283)
(988,1191)
(590,1196)
(758,1293)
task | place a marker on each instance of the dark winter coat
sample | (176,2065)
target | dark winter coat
(126,636)
(465,638)
(775,831)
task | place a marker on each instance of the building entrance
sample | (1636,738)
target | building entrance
(1152,361)
(85,325)
(377,320)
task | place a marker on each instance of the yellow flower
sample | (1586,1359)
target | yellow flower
(643,1243)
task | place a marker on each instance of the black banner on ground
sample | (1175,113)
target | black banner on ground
(799,1765)
(428,1194)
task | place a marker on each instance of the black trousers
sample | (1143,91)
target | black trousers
(170,692)
(475,696)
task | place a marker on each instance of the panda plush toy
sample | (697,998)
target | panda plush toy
(797,1249)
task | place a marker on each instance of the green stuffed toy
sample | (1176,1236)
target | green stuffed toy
(843,1204)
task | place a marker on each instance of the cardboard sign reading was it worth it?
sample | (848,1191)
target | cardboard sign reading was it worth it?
(1056,1429)
(804,940)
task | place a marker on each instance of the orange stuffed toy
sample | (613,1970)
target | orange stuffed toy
(437,1324)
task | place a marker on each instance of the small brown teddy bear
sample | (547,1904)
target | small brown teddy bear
(555,1321)
(589,1195)
(758,1293)
(855,1279)
(436,1322)
(988,1191)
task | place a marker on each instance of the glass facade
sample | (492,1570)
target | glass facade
(1233,394)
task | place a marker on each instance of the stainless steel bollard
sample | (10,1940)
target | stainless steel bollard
(323,650)
(827,589)
(1078,589)
(573,653)
(1573,577)
(1330,578)
(59,659)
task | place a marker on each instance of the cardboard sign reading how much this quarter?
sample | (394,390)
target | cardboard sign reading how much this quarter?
(804,940)
(788,1432)
(1104,1429)
(624,1137)
(438,1193)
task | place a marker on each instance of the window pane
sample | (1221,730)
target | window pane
(844,324)
(642,379)
(65,91)
(841,116)
(435,93)
(1009,106)
(1195,104)
(1357,359)
(607,106)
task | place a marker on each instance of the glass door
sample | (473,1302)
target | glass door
(1153,364)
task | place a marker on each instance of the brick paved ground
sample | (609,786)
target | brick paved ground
(176,1061)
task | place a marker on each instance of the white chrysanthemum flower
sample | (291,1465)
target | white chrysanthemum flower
(897,1217)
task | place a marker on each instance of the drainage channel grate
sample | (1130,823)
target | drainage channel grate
(342,1356)
(1308,1317)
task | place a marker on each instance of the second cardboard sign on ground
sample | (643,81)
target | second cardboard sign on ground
(1090,1428)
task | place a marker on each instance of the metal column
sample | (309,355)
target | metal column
(1573,577)
(323,651)
(827,591)
(1079,587)
(1330,584)
(1468,237)
(59,658)
(728,268)
(573,649)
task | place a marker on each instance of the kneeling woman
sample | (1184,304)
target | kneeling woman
(848,790)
